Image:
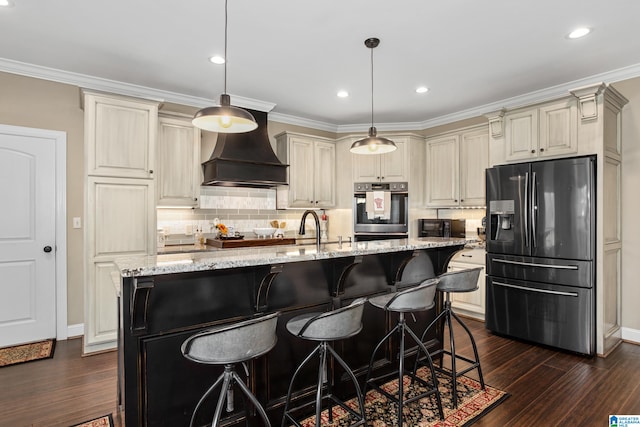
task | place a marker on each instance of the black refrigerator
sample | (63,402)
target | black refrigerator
(541,228)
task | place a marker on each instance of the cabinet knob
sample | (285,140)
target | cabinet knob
(541,150)
(195,199)
(455,200)
(47,249)
(533,151)
(151,171)
(462,200)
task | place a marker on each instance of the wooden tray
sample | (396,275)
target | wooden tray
(247,243)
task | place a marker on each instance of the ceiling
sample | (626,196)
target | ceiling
(475,56)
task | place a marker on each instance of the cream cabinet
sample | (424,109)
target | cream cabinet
(178,176)
(120,214)
(120,135)
(550,130)
(120,223)
(389,167)
(470,304)
(311,172)
(456,164)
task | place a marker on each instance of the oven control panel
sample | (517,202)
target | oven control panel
(394,187)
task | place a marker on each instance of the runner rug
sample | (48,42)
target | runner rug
(104,421)
(27,352)
(473,403)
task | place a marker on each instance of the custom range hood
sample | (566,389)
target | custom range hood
(245,159)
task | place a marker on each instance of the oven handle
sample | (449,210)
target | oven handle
(531,264)
(542,291)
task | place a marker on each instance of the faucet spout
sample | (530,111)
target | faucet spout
(317,221)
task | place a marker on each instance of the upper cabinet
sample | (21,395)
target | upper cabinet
(390,167)
(120,136)
(549,130)
(456,164)
(178,175)
(311,171)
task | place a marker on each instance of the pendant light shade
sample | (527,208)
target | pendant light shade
(372,144)
(225,118)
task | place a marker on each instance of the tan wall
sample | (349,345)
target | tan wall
(43,104)
(630,203)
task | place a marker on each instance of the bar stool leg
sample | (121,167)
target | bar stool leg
(295,374)
(204,396)
(473,344)
(223,394)
(355,383)
(252,398)
(321,370)
(402,324)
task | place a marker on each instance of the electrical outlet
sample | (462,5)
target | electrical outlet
(77,222)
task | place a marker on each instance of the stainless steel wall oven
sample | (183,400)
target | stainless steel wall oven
(380,210)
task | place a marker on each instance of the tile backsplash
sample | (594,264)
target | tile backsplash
(242,208)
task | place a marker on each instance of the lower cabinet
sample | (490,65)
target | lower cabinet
(120,222)
(470,304)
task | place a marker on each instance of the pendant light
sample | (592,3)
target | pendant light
(372,144)
(225,118)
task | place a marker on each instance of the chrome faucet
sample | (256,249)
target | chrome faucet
(317,220)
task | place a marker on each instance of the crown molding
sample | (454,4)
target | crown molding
(120,88)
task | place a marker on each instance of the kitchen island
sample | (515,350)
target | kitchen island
(166,298)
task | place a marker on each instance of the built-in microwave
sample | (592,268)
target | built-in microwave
(441,228)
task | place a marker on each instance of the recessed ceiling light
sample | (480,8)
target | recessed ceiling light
(422,89)
(215,59)
(6,3)
(579,32)
(343,94)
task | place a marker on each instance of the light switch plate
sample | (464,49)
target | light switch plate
(77,222)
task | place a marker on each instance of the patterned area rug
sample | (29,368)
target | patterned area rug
(105,421)
(473,403)
(27,352)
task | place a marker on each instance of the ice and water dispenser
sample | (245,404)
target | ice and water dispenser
(502,214)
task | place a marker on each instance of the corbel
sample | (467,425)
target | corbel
(588,100)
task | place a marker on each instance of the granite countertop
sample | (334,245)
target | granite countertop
(217,259)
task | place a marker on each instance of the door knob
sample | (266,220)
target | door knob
(47,249)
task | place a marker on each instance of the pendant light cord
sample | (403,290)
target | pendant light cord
(371,87)
(225,46)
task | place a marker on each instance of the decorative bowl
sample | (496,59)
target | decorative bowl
(264,232)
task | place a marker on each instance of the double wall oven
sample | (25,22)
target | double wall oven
(380,210)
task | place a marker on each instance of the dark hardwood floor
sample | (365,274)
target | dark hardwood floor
(547,387)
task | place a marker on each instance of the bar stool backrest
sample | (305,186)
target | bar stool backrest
(416,298)
(341,323)
(460,280)
(233,343)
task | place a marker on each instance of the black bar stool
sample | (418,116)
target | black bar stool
(456,281)
(417,298)
(228,345)
(334,325)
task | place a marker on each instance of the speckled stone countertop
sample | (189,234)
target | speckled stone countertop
(232,258)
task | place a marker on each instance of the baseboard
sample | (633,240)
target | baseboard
(74,331)
(631,335)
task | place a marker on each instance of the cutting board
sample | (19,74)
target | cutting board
(247,243)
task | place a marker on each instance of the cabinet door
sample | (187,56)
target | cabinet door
(521,135)
(393,166)
(558,129)
(442,171)
(120,222)
(178,176)
(324,174)
(120,136)
(366,168)
(301,167)
(474,160)
(471,304)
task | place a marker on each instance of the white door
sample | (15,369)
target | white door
(27,239)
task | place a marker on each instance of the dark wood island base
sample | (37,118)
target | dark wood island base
(164,301)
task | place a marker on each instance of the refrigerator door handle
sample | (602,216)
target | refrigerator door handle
(526,209)
(531,264)
(534,209)
(542,291)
